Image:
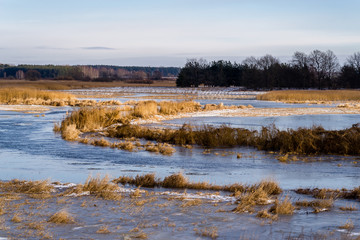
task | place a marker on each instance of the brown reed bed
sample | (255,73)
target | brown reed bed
(33,96)
(311,95)
(171,108)
(27,187)
(92,118)
(307,141)
(178,180)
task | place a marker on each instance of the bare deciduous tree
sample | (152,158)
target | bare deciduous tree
(300,59)
(354,61)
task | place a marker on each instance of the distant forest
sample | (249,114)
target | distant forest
(86,73)
(318,69)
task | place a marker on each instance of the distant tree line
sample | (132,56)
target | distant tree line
(86,73)
(315,70)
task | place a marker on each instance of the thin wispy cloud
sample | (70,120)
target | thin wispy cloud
(98,48)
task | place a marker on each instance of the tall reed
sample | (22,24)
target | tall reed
(311,95)
(22,95)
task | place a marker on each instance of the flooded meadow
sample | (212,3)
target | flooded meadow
(30,150)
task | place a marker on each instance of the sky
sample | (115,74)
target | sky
(168,32)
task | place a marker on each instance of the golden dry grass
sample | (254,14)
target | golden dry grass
(101,142)
(61,217)
(162,148)
(176,180)
(316,204)
(171,108)
(103,230)
(348,208)
(349,225)
(28,187)
(191,203)
(101,187)
(250,199)
(70,132)
(311,95)
(31,96)
(265,214)
(210,232)
(92,118)
(16,218)
(284,207)
(145,109)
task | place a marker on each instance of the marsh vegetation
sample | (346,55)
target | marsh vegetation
(315,96)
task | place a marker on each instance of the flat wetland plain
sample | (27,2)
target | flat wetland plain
(115,161)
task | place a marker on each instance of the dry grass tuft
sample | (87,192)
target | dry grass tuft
(348,208)
(171,108)
(145,109)
(61,217)
(349,225)
(28,187)
(271,187)
(16,218)
(191,203)
(147,180)
(136,193)
(100,187)
(210,232)
(282,208)
(101,142)
(265,214)
(69,132)
(103,230)
(316,204)
(127,146)
(250,199)
(176,180)
(162,148)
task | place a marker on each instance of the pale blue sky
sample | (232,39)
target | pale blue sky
(167,32)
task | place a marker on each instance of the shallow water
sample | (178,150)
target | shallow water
(327,121)
(29,149)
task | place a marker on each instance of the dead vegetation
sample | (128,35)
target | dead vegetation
(311,95)
(323,193)
(61,217)
(178,180)
(73,84)
(36,189)
(33,97)
(100,187)
(305,141)
(317,205)
(114,123)
(210,232)
(145,109)
(283,207)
